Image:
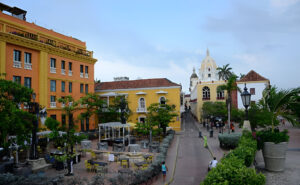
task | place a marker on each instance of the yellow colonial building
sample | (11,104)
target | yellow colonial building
(204,87)
(140,94)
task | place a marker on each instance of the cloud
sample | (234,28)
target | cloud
(106,70)
(283,5)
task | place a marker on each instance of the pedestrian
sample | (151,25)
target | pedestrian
(212,164)
(232,127)
(164,170)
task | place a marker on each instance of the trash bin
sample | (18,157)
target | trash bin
(211,133)
(200,134)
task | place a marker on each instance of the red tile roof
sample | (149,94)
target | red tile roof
(130,84)
(252,76)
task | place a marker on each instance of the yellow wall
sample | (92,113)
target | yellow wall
(173,97)
(213,95)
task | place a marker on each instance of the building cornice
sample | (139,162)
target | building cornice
(25,42)
(133,89)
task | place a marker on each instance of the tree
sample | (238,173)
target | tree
(229,87)
(113,112)
(14,121)
(224,72)
(69,138)
(215,109)
(160,115)
(282,103)
(258,116)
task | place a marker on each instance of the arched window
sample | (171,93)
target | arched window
(162,100)
(206,93)
(220,95)
(142,103)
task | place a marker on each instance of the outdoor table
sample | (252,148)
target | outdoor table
(146,156)
(134,148)
(140,164)
(145,143)
(102,146)
(98,162)
(125,171)
(118,148)
(86,144)
(153,148)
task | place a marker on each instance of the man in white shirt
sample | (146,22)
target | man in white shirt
(212,163)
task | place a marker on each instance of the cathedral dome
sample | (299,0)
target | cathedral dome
(194,75)
(208,70)
(208,62)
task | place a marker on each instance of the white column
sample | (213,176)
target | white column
(123,135)
(99,133)
(129,135)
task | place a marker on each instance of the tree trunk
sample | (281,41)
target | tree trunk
(229,109)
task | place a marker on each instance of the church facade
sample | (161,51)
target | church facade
(203,87)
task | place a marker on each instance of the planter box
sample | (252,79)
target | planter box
(274,156)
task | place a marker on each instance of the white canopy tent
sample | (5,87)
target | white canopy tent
(114,126)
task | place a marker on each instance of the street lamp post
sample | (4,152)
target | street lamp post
(34,109)
(246,98)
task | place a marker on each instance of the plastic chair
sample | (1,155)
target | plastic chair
(95,167)
(145,166)
(149,160)
(93,154)
(124,163)
(88,165)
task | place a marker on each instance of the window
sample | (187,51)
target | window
(87,122)
(63,119)
(27,82)
(53,63)
(70,87)
(53,116)
(142,119)
(70,119)
(162,100)
(17,55)
(70,66)
(81,88)
(142,103)
(81,68)
(209,75)
(63,84)
(27,58)
(206,93)
(86,69)
(86,88)
(52,85)
(82,125)
(220,94)
(208,69)
(17,79)
(52,99)
(63,63)
(252,91)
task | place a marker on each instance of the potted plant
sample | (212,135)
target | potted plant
(283,103)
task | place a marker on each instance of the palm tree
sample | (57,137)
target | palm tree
(229,87)
(224,72)
(284,103)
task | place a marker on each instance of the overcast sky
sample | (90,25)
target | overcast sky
(167,38)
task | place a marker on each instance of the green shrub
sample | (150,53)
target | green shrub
(269,136)
(229,140)
(232,169)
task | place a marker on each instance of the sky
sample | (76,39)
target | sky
(165,39)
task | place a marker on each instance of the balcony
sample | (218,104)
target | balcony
(62,105)
(52,104)
(86,75)
(70,104)
(63,71)
(28,66)
(17,64)
(205,99)
(70,73)
(81,75)
(52,70)
(141,110)
(220,98)
(47,40)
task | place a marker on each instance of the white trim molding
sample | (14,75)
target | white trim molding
(133,89)
(162,92)
(140,93)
